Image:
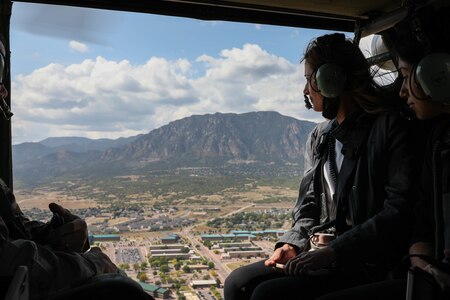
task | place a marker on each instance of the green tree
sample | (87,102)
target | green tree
(164,269)
(136,267)
(155,263)
(211,265)
(142,276)
(186,269)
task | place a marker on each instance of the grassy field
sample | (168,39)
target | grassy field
(238,264)
(212,199)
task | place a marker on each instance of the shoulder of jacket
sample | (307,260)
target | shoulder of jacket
(391,121)
(320,128)
(390,116)
(441,131)
(316,136)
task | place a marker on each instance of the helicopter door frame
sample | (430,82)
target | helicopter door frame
(6,170)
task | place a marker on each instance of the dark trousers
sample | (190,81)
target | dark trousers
(258,282)
(383,290)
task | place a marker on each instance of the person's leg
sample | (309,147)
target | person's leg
(240,284)
(304,287)
(383,290)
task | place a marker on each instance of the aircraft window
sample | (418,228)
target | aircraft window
(104,127)
(383,68)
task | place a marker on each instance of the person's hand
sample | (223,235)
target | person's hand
(311,261)
(422,248)
(71,235)
(281,255)
(442,278)
(101,261)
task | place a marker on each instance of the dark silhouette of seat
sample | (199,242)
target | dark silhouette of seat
(15,287)
(105,286)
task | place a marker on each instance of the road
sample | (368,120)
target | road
(238,210)
(221,268)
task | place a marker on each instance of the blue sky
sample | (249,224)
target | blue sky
(119,74)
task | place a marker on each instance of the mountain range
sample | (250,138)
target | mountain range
(201,140)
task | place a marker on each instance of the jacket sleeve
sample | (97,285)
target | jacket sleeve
(382,237)
(49,270)
(306,212)
(422,226)
(305,215)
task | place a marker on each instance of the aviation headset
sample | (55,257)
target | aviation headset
(329,79)
(432,73)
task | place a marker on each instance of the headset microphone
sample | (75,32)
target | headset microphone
(308,103)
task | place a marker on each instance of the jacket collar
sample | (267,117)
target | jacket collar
(353,131)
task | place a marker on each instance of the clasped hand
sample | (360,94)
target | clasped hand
(281,255)
(442,278)
(71,235)
(310,262)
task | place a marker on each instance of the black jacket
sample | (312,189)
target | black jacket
(373,190)
(22,243)
(432,211)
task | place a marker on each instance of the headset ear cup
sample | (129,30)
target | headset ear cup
(433,75)
(330,80)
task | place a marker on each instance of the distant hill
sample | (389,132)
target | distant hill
(200,140)
(27,151)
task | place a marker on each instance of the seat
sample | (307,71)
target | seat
(105,286)
(15,287)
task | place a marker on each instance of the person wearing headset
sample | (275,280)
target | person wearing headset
(424,63)
(421,44)
(353,208)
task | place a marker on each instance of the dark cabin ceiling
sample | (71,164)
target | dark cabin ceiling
(340,15)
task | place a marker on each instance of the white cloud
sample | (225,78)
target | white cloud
(102,98)
(79,47)
(258,26)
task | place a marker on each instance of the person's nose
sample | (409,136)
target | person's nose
(305,89)
(3,91)
(403,93)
